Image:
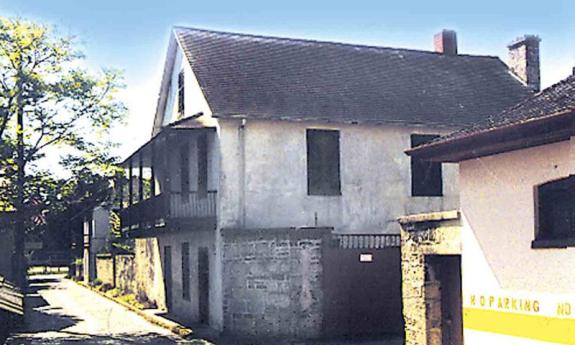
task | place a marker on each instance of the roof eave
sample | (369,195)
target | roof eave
(533,132)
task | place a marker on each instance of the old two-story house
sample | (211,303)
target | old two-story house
(499,271)
(265,202)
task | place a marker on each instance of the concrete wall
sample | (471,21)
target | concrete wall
(273,282)
(263,181)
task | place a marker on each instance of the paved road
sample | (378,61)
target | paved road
(63,313)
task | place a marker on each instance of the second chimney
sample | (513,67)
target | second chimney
(445,42)
(524,60)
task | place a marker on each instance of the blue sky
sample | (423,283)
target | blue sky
(132,35)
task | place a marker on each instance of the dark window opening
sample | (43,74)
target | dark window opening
(186,271)
(181,93)
(202,165)
(184,168)
(323,176)
(556,212)
(426,179)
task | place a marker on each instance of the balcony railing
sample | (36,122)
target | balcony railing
(160,209)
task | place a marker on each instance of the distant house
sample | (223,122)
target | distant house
(510,252)
(96,229)
(265,202)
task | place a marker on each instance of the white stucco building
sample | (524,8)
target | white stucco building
(266,151)
(517,224)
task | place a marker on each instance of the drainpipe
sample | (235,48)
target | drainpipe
(242,177)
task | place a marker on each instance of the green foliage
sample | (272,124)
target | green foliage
(95,282)
(66,108)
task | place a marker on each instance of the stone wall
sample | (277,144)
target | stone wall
(149,279)
(105,268)
(125,273)
(272,282)
(421,235)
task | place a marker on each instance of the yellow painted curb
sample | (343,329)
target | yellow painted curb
(170,325)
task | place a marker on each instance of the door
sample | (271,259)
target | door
(168,276)
(203,285)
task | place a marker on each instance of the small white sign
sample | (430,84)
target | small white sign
(366,257)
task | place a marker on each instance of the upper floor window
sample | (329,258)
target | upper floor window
(556,213)
(426,179)
(323,177)
(181,93)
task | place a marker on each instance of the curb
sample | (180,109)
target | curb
(170,325)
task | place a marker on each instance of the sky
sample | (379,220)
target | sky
(133,35)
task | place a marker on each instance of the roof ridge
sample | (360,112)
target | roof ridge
(335,43)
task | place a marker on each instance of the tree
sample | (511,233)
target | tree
(46,101)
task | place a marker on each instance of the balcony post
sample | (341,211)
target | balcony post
(120,181)
(140,178)
(152,171)
(130,184)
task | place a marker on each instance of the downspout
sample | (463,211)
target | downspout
(242,170)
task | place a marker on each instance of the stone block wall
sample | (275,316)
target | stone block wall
(421,235)
(272,282)
(105,268)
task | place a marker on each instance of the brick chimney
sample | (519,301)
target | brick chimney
(445,42)
(524,60)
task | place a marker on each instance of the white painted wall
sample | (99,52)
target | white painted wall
(498,206)
(497,199)
(187,310)
(194,100)
(263,182)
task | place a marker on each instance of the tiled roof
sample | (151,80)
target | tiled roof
(279,78)
(556,99)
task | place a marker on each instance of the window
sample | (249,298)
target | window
(426,177)
(556,213)
(186,271)
(185,168)
(323,176)
(202,165)
(181,94)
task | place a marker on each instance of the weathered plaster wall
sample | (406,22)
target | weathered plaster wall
(125,273)
(497,199)
(264,178)
(105,268)
(149,274)
(187,310)
(273,282)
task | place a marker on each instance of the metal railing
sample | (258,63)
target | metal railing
(366,241)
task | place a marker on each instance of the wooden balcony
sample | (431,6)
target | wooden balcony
(174,211)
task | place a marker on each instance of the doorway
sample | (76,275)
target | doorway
(443,299)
